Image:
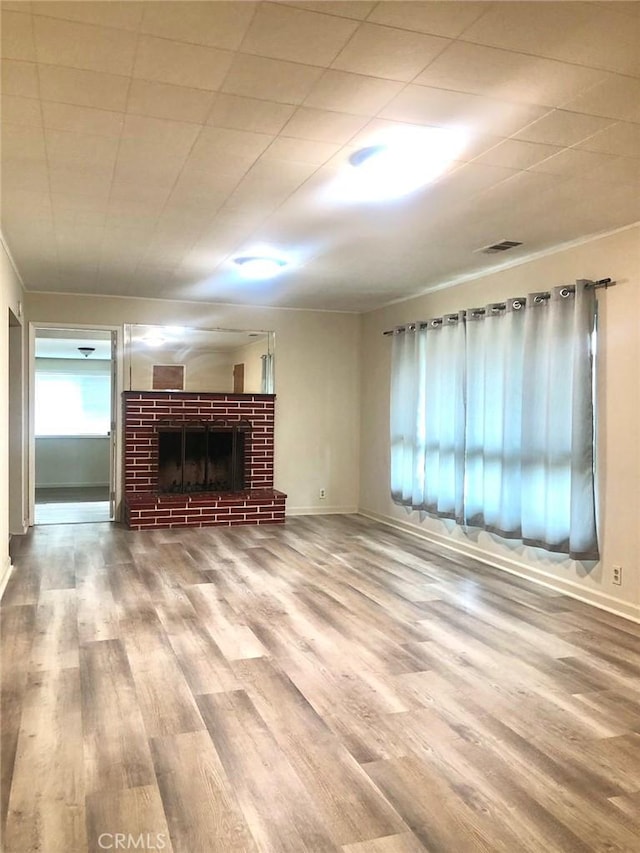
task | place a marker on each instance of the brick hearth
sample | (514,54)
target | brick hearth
(146,508)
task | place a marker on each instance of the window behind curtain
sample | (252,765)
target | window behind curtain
(492,419)
(72,397)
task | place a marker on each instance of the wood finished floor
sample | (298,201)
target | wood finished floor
(329,685)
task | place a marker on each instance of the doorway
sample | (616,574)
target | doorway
(74,417)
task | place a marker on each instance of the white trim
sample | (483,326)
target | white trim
(321,510)
(200,302)
(119,371)
(5,573)
(601,600)
(516,262)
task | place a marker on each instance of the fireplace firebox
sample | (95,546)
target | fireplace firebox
(202,456)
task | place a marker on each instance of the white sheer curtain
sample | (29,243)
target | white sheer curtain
(492,420)
(427,406)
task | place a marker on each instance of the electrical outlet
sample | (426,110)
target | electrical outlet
(616,577)
(323,494)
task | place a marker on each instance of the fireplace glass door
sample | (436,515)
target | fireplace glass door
(202,457)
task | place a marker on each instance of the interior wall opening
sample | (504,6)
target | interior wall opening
(73,425)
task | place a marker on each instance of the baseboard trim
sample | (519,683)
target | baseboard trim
(5,573)
(597,599)
(321,510)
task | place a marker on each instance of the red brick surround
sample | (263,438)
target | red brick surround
(145,508)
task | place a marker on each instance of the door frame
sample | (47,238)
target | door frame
(116,414)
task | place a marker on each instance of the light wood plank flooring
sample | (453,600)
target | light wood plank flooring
(329,685)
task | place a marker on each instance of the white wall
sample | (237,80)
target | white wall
(317,382)
(618,453)
(11,295)
(72,461)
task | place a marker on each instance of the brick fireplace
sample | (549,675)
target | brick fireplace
(199,459)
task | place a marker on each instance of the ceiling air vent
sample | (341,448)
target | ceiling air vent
(502,246)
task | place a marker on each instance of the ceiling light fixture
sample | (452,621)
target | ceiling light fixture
(256,266)
(398,162)
(86,351)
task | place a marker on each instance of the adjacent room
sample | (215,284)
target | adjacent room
(319,426)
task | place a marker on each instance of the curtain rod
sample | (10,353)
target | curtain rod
(596,285)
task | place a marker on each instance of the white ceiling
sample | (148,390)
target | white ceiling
(64,343)
(146,143)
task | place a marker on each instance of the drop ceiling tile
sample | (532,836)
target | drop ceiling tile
(15,6)
(83,88)
(204,182)
(389,53)
(19,78)
(323,126)
(71,217)
(140,193)
(516,154)
(614,97)
(622,139)
(23,141)
(161,138)
(620,170)
(66,203)
(16,40)
(219,24)
(232,111)
(439,19)
(77,180)
(21,110)
(581,33)
(570,162)
(142,208)
(352,93)
(83,46)
(138,169)
(106,13)
(283,32)
(64,148)
(134,220)
(560,127)
(460,185)
(506,75)
(270,183)
(239,148)
(24,174)
(227,227)
(181,64)
(356,9)
(26,203)
(270,79)
(163,100)
(624,7)
(82,119)
(207,203)
(301,150)
(254,194)
(474,113)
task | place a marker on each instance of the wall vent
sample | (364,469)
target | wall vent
(502,246)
